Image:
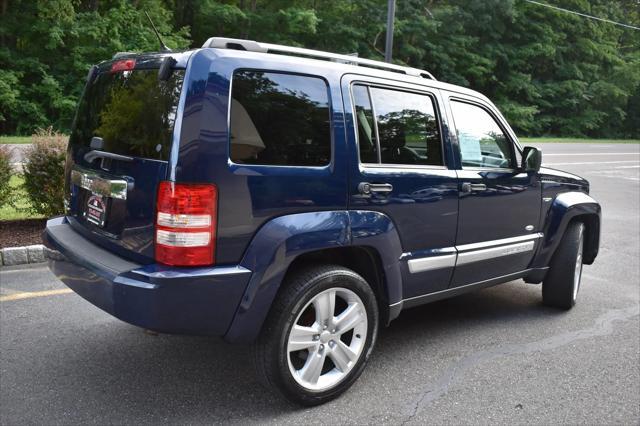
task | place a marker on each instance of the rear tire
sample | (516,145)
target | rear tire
(562,283)
(318,336)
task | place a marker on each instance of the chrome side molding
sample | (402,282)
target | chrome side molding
(474,252)
(432,262)
(500,242)
(493,252)
(97,184)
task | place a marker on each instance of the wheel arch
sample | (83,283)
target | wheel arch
(566,208)
(363,260)
(364,241)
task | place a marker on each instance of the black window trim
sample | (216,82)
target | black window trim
(484,107)
(380,165)
(235,165)
(375,126)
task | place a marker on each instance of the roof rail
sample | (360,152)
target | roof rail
(254,46)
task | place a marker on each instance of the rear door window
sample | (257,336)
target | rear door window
(279,119)
(405,129)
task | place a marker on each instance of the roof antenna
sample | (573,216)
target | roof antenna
(163,47)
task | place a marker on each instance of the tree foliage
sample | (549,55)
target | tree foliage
(550,72)
(43,172)
(6,191)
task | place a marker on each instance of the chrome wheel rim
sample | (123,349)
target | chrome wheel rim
(577,275)
(327,339)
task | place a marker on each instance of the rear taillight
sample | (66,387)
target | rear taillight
(186,224)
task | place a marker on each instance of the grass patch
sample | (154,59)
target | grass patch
(15,139)
(576,140)
(21,200)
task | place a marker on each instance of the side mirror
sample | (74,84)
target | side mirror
(531,159)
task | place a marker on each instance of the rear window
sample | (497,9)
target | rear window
(279,119)
(132,111)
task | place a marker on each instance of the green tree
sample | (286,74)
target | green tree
(47,47)
(550,72)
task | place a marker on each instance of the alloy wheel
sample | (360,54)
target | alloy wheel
(327,339)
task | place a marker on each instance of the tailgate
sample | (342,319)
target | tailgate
(118,153)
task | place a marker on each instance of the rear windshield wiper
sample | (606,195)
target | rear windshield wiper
(96,144)
(90,156)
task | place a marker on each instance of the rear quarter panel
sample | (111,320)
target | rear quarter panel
(250,195)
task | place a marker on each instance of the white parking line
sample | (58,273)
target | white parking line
(616,176)
(31,294)
(592,162)
(627,167)
(589,153)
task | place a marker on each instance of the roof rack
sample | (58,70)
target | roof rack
(254,46)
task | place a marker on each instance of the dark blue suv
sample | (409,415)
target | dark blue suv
(298,200)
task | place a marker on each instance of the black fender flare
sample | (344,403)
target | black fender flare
(566,207)
(281,240)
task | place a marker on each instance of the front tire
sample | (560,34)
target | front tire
(319,334)
(562,283)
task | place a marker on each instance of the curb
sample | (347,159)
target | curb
(11,256)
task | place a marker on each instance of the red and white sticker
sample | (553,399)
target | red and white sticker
(96,208)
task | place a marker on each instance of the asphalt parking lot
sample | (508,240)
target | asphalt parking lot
(493,356)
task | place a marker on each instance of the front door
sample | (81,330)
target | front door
(499,203)
(398,167)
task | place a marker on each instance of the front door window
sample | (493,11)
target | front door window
(483,144)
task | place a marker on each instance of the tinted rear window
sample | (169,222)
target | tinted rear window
(132,111)
(279,119)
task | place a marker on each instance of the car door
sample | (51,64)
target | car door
(398,166)
(499,206)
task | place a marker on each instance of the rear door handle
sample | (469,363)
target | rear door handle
(366,188)
(471,187)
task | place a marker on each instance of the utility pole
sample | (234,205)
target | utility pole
(391,13)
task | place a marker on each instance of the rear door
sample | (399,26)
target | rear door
(118,152)
(499,203)
(399,167)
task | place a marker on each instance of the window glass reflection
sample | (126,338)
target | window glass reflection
(482,142)
(279,119)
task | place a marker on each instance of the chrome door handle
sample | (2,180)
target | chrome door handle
(471,187)
(367,188)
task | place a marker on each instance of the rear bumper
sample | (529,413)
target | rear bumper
(157,297)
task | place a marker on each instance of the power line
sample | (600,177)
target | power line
(583,15)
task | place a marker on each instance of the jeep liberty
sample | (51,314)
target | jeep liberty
(299,200)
